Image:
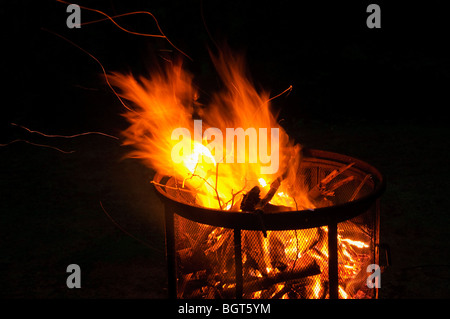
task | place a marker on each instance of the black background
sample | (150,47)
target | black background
(377,94)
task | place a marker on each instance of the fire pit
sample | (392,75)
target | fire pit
(249,213)
(278,252)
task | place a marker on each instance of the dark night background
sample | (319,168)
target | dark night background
(376,94)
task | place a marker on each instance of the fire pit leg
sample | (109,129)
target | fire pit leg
(333,276)
(170,252)
(238,263)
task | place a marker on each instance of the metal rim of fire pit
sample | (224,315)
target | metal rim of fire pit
(288,220)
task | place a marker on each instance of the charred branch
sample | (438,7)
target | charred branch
(250,200)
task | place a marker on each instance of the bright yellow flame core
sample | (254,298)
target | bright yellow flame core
(192,161)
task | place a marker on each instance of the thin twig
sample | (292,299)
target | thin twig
(171,187)
(214,188)
(207,183)
(217,192)
(233,195)
(217,174)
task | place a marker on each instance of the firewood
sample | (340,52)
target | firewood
(271,193)
(249,204)
(191,260)
(220,252)
(336,173)
(332,188)
(354,284)
(308,267)
(324,188)
(277,252)
(250,200)
(358,189)
(286,288)
(253,247)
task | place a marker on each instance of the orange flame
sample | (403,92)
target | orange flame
(164,107)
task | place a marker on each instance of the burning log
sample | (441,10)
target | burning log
(354,284)
(277,252)
(271,193)
(286,289)
(251,202)
(193,258)
(253,247)
(307,267)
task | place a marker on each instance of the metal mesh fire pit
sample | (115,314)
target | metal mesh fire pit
(318,253)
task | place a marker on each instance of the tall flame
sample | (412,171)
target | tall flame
(166,101)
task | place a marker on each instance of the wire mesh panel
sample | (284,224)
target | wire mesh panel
(357,247)
(204,260)
(285,264)
(213,260)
